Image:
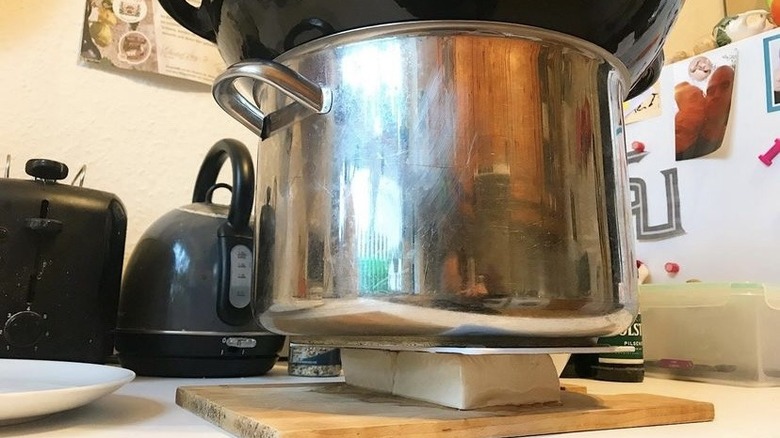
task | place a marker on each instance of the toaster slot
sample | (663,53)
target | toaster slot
(45,228)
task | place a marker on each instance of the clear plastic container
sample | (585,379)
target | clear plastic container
(712,332)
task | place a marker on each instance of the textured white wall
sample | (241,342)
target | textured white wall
(141,136)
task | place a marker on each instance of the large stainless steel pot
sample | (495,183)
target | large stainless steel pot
(440,183)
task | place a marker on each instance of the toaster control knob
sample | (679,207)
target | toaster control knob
(46,169)
(23,329)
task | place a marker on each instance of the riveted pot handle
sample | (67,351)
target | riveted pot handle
(309,97)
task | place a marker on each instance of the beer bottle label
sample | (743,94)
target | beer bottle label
(631,337)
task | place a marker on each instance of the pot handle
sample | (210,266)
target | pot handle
(193,19)
(649,77)
(309,24)
(243,180)
(309,97)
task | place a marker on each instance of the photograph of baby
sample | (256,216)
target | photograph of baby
(702,94)
(772,64)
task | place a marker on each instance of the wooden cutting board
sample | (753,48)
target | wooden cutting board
(338,410)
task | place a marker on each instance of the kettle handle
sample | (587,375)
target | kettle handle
(243,179)
(193,19)
(309,98)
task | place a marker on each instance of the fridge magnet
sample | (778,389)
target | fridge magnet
(703,92)
(772,69)
(768,156)
(644,106)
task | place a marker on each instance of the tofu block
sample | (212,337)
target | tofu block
(370,369)
(560,360)
(455,380)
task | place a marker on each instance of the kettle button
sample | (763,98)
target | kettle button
(241,342)
(240,289)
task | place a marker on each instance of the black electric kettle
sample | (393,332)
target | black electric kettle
(185,307)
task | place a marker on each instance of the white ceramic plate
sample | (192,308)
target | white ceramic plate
(34,388)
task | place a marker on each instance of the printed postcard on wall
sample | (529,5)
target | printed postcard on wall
(703,91)
(772,72)
(139,35)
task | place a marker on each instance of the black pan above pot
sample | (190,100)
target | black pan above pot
(633,30)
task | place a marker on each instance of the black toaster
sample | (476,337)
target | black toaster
(61,254)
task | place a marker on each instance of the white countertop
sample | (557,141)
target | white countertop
(146,408)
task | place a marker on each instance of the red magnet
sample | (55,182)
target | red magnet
(672,268)
(769,155)
(638,146)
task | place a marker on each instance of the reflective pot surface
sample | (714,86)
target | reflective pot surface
(441,183)
(632,30)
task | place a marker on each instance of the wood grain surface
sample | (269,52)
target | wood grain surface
(339,410)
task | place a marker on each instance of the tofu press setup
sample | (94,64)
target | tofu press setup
(441,193)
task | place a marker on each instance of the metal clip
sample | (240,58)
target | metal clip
(80,176)
(7,172)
